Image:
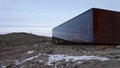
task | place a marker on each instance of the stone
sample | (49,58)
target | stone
(118,46)
(12,66)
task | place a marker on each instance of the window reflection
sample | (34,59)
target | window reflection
(78,29)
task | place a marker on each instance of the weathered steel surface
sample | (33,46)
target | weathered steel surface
(106,26)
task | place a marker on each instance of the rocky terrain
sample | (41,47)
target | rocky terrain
(39,52)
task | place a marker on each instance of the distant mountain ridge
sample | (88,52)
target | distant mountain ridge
(22,39)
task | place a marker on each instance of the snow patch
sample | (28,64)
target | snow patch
(29,52)
(3,66)
(28,59)
(54,58)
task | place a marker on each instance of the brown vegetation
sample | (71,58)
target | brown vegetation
(21,39)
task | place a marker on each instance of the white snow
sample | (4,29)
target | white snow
(28,59)
(3,66)
(54,58)
(29,52)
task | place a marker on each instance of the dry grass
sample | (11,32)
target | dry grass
(21,39)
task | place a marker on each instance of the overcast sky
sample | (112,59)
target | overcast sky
(47,13)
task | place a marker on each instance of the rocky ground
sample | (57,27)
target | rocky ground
(47,55)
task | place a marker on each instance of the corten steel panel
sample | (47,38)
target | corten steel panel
(78,29)
(106,27)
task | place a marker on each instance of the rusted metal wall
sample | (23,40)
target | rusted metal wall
(106,26)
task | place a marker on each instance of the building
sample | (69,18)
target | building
(95,26)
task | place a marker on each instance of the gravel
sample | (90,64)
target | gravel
(38,55)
